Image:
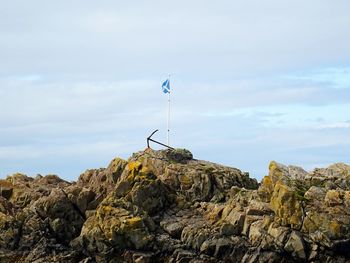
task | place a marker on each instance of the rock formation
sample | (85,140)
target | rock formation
(165,206)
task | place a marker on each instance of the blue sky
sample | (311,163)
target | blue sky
(252,81)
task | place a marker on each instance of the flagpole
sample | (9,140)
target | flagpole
(168,115)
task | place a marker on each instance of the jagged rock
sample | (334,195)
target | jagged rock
(81,198)
(179,155)
(323,227)
(122,220)
(141,187)
(295,245)
(279,234)
(196,180)
(114,227)
(256,232)
(183,256)
(280,188)
(253,256)
(33,229)
(223,248)
(236,221)
(102,181)
(166,206)
(59,215)
(166,244)
(138,257)
(338,198)
(285,204)
(65,220)
(195,233)
(6,189)
(174,229)
(9,231)
(6,207)
(27,190)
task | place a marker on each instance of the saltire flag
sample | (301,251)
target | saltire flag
(166,86)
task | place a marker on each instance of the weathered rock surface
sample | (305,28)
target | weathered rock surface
(165,206)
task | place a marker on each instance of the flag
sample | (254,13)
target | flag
(166,86)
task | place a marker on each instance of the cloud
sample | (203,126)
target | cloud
(334,77)
(199,38)
(48,119)
(79,82)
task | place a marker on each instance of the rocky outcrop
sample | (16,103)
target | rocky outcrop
(166,206)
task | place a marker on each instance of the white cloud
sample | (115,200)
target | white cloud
(252,80)
(334,77)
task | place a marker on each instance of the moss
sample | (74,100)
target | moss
(318,182)
(300,194)
(301,198)
(300,189)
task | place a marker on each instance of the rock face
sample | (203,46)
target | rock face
(165,206)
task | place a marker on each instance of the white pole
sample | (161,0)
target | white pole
(168,115)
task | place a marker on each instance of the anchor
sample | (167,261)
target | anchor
(149,139)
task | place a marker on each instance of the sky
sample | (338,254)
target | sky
(252,81)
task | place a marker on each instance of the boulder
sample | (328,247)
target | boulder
(287,207)
(116,228)
(295,245)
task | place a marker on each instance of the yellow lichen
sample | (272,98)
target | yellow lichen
(334,229)
(130,177)
(185,180)
(103,211)
(132,223)
(334,197)
(274,169)
(286,206)
(106,208)
(144,170)
(134,166)
(145,174)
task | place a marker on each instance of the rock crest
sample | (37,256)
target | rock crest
(165,206)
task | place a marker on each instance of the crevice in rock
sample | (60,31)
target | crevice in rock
(75,207)
(19,235)
(303,215)
(46,220)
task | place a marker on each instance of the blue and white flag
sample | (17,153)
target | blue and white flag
(166,86)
